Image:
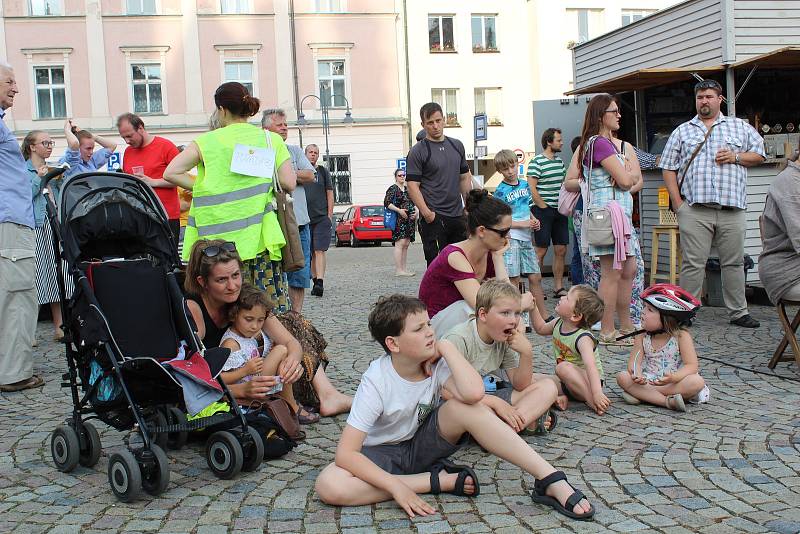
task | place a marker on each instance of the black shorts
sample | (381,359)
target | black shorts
(321,235)
(555,227)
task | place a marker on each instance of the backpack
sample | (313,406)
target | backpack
(427,144)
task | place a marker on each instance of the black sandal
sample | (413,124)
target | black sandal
(560,293)
(540,496)
(450,468)
(541,424)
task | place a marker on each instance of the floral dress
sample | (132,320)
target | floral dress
(664,361)
(405,228)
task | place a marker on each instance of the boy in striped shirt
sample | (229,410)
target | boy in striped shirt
(545,174)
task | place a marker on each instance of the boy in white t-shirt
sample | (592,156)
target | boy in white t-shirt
(398,435)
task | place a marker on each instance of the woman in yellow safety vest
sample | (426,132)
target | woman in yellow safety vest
(233,193)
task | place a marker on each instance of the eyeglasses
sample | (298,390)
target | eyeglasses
(616,111)
(501,233)
(215,250)
(48,144)
(707,84)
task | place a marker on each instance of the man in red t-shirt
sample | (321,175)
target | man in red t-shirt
(146,157)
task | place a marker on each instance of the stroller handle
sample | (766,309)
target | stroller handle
(57,171)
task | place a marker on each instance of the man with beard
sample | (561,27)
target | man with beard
(704,167)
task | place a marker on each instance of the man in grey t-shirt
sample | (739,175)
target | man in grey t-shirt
(274,120)
(438,178)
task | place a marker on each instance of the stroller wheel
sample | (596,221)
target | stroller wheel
(124,476)
(155,419)
(176,440)
(91,454)
(224,454)
(253,451)
(155,473)
(65,448)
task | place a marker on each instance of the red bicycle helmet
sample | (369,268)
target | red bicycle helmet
(672,300)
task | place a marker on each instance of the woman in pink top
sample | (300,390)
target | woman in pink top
(452,280)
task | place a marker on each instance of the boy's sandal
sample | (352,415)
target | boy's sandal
(560,293)
(450,468)
(630,399)
(675,402)
(540,496)
(304,417)
(541,424)
(35,381)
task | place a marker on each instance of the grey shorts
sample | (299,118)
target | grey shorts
(503,393)
(417,454)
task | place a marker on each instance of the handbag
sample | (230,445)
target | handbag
(389,219)
(567,201)
(282,413)
(292,258)
(599,232)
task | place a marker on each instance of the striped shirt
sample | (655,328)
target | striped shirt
(706,181)
(549,174)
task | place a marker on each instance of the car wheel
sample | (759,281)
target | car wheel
(354,242)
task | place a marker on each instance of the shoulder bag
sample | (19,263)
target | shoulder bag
(689,164)
(598,225)
(567,200)
(389,216)
(292,258)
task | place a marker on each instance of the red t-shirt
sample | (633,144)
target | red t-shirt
(154,158)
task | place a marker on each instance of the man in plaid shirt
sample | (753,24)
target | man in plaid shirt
(712,200)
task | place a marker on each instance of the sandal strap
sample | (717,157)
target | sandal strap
(574,499)
(434,470)
(541,485)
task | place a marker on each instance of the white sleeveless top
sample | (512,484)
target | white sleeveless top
(248,349)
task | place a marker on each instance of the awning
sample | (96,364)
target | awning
(782,58)
(644,79)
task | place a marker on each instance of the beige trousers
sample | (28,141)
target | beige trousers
(701,228)
(18,307)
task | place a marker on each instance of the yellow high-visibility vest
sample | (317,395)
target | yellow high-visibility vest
(231,206)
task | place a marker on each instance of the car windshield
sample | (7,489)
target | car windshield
(372,211)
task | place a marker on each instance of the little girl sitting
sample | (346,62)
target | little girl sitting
(252,352)
(667,374)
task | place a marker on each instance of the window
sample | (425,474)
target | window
(147,97)
(332,82)
(328,6)
(586,24)
(51,97)
(632,15)
(141,7)
(234,7)
(46,8)
(488,100)
(339,167)
(440,33)
(447,98)
(240,71)
(484,33)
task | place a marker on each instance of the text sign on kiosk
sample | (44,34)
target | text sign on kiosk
(480,127)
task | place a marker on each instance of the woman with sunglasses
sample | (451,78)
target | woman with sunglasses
(397,200)
(36,148)
(213,283)
(451,283)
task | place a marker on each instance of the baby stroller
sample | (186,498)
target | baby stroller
(124,326)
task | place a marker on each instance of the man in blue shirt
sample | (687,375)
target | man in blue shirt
(80,153)
(18,305)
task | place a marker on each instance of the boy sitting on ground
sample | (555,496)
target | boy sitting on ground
(579,371)
(493,340)
(398,435)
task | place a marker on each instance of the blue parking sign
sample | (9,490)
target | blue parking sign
(401,164)
(115,161)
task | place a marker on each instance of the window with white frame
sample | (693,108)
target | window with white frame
(51,92)
(240,71)
(484,33)
(585,23)
(147,89)
(488,101)
(632,15)
(328,6)
(234,7)
(441,37)
(332,82)
(448,99)
(46,8)
(141,7)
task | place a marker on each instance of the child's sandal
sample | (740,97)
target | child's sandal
(450,468)
(675,402)
(541,424)
(540,496)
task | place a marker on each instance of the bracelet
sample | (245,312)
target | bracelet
(738,154)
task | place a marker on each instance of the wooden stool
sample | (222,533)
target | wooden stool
(675,256)
(788,334)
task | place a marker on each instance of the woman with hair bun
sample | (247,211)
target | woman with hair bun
(233,194)
(451,283)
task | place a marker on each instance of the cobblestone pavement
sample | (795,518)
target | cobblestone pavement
(729,466)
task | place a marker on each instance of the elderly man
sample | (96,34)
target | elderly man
(712,151)
(17,255)
(274,120)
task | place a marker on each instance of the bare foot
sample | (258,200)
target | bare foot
(335,404)
(562,491)
(447,482)
(562,401)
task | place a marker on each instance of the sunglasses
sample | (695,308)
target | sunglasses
(215,250)
(708,84)
(502,233)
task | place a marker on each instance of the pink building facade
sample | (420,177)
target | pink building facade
(92,60)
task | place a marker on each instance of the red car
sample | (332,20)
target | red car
(360,224)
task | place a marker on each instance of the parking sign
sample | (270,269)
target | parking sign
(401,164)
(115,161)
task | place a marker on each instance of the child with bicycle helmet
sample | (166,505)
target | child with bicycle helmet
(663,368)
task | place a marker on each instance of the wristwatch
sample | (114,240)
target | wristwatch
(738,154)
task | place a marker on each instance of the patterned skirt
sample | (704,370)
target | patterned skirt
(46,278)
(268,276)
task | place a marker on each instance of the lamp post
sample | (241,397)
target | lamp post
(326,125)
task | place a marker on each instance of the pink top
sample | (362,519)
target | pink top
(437,288)
(603,148)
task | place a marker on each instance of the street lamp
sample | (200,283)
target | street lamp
(326,125)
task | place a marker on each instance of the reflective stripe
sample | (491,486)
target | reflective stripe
(241,194)
(230,226)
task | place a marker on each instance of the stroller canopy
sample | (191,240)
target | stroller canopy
(106,215)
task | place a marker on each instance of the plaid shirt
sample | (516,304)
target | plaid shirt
(707,182)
